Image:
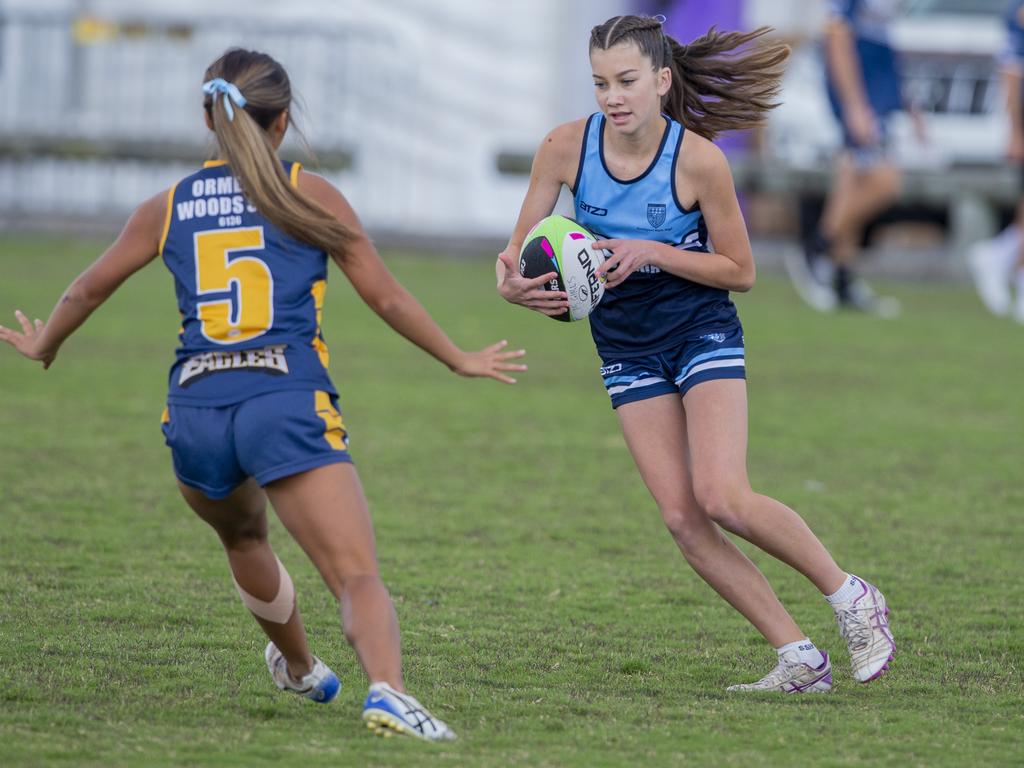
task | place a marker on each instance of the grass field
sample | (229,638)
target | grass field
(546,614)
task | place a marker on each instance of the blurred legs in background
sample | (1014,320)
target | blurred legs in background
(997,268)
(997,265)
(864,184)
(992,265)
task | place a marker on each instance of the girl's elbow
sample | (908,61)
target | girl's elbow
(86,292)
(382,305)
(745,281)
(387,300)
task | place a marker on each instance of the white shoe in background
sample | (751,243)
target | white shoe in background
(987,262)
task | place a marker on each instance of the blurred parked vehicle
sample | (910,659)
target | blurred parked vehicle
(949,57)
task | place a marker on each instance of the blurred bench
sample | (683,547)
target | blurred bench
(29,147)
(973,201)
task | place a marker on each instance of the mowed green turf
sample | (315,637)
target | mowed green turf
(546,614)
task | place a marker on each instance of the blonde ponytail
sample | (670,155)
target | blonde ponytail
(245,145)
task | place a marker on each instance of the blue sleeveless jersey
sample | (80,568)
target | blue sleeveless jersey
(652,310)
(250,296)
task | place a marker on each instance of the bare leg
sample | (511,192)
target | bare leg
(1019,221)
(857,195)
(716,413)
(656,433)
(326,511)
(240,521)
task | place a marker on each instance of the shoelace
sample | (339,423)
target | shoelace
(780,673)
(415,709)
(854,626)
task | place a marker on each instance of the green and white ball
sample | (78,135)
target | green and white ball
(558,244)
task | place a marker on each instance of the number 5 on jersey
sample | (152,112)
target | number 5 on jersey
(249,311)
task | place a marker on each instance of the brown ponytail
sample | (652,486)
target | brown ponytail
(245,145)
(714,87)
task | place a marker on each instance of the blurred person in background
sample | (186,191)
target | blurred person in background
(997,265)
(863,82)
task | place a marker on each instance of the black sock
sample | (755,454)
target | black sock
(818,247)
(844,276)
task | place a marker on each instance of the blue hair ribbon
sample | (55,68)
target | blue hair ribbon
(230,91)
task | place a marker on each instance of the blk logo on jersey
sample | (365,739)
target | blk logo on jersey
(265,359)
(593,210)
(656,214)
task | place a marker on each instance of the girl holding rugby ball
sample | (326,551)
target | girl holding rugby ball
(658,194)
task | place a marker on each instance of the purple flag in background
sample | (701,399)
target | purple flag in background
(686,20)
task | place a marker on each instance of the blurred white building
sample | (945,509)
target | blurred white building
(425,114)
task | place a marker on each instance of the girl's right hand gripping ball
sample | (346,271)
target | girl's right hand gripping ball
(558,244)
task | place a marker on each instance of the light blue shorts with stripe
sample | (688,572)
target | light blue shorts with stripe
(709,356)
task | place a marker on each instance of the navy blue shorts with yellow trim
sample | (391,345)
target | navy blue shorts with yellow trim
(266,437)
(709,356)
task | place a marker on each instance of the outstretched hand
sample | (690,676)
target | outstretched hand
(490,362)
(528,292)
(27,342)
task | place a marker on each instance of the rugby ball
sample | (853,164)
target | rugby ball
(558,244)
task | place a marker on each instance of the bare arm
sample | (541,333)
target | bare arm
(390,300)
(703,168)
(555,164)
(135,247)
(845,74)
(1013,81)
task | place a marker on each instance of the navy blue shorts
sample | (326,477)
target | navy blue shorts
(710,356)
(266,437)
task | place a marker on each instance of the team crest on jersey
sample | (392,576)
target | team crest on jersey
(656,214)
(265,360)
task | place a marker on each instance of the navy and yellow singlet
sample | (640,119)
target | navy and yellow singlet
(250,296)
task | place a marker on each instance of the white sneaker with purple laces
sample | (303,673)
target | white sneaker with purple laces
(864,624)
(793,676)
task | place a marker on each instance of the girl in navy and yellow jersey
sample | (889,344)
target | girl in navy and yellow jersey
(647,180)
(252,413)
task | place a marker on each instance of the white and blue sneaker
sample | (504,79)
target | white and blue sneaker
(388,712)
(321,684)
